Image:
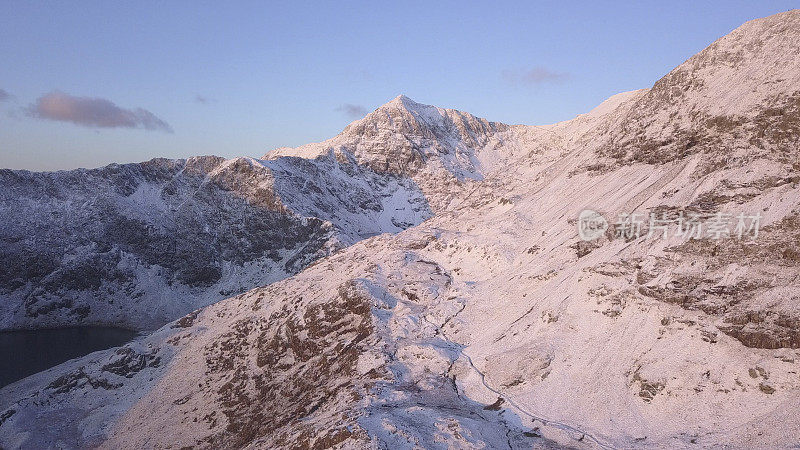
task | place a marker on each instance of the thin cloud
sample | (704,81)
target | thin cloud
(203,100)
(94,112)
(353,111)
(4,95)
(535,76)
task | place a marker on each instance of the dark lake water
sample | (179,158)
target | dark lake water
(26,352)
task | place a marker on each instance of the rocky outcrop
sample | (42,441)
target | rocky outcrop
(734,101)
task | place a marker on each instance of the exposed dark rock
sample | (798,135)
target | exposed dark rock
(6,415)
(187,320)
(764,329)
(128,362)
(77,379)
(496,406)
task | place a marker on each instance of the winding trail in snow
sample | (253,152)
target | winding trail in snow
(535,417)
(546,422)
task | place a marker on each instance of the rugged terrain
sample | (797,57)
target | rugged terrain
(492,323)
(139,245)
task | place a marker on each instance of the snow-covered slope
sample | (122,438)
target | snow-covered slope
(736,100)
(139,245)
(492,324)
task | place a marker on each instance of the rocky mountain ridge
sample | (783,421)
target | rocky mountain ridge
(434,146)
(139,245)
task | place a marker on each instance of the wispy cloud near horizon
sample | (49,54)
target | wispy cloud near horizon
(534,76)
(203,100)
(352,111)
(93,112)
(4,95)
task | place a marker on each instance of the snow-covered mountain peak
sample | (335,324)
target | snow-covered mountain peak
(401,115)
(423,114)
(435,146)
(402,101)
(417,121)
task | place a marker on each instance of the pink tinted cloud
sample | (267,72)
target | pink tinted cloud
(94,112)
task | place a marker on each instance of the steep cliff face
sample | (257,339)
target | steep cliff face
(139,245)
(493,323)
(357,201)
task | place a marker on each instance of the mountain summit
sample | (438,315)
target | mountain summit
(406,137)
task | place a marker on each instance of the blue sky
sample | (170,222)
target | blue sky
(182,78)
